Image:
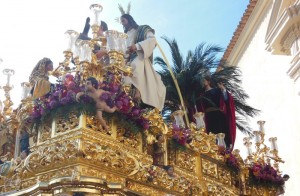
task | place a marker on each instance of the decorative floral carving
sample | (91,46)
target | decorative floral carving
(64,124)
(187,161)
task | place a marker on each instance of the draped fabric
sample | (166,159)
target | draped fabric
(145,78)
(39,79)
(219,114)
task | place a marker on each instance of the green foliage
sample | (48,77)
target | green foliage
(176,145)
(75,108)
(90,110)
(189,74)
(124,122)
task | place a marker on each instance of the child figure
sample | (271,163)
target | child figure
(95,93)
(158,150)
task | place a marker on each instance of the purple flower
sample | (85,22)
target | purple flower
(42,110)
(71,95)
(136,112)
(146,125)
(110,103)
(53,104)
(69,77)
(104,96)
(36,114)
(70,85)
(56,93)
(64,101)
(126,101)
(175,127)
(114,88)
(119,104)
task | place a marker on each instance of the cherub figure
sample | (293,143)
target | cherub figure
(170,171)
(95,93)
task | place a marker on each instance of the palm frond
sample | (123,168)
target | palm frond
(121,9)
(176,55)
(189,74)
(128,8)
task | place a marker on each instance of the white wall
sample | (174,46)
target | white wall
(275,94)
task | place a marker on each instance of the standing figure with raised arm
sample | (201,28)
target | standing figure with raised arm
(219,109)
(141,43)
(99,52)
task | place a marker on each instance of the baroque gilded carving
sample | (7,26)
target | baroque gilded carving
(44,131)
(203,143)
(128,138)
(94,124)
(66,124)
(187,161)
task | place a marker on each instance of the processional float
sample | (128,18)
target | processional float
(70,154)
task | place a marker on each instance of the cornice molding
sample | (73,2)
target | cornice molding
(294,71)
(238,45)
(279,40)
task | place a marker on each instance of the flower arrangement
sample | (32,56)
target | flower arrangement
(151,173)
(181,136)
(61,100)
(116,96)
(231,161)
(265,175)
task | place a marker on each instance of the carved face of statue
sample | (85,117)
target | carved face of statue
(23,155)
(89,86)
(49,67)
(160,139)
(170,171)
(125,23)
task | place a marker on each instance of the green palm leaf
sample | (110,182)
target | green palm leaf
(189,74)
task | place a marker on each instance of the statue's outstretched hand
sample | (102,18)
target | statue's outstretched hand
(78,95)
(86,26)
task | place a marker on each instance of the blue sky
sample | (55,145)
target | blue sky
(33,29)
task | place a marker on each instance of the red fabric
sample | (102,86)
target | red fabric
(229,111)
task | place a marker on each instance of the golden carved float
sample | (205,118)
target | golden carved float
(73,155)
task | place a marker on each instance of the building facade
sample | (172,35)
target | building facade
(266,47)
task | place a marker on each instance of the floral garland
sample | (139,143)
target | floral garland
(61,100)
(180,137)
(116,96)
(231,161)
(265,175)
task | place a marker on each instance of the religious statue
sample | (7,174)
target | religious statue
(158,150)
(24,141)
(39,78)
(219,110)
(148,84)
(95,93)
(170,171)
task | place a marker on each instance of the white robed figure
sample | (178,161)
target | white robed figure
(141,42)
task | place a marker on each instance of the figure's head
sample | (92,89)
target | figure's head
(92,82)
(206,81)
(103,28)
(286,177)
(160,137)
(47,63)
(128,22)
(169,169)
(23,154)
